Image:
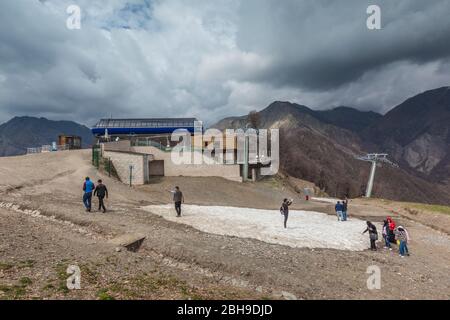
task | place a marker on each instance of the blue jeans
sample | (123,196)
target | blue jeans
(403,248)
(87,200)
(386,240)
(339,215)
(344,215)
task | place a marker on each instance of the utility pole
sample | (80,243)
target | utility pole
(375,159)
(131,175)
(245,167)
(246,155)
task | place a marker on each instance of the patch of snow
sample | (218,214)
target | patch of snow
(327,200)
(306,229)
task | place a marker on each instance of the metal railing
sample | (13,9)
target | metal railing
(48,148)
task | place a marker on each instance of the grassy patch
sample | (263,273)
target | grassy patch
(13,292)
(16,291)
(49,286)
(6,266)
(62,278)
(156,285)
(25,281)
(104,295)
(26,264)
(431,208)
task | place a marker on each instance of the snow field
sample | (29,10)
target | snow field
(306,229)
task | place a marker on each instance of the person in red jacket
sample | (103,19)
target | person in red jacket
(390,229)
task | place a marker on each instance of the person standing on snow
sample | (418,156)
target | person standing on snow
(178,198)
(88,187)
(373,235)
(284,210)
(338,209)
(344,209)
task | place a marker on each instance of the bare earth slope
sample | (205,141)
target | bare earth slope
(44,228)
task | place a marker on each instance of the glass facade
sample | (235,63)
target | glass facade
(146,123)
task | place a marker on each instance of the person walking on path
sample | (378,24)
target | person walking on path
(178,198)
(373,235)
(101,192)
(338,209)
(88,187)
(284,210)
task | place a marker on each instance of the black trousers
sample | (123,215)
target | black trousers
(101,204)
(178,208)
(373,245)
(286,216)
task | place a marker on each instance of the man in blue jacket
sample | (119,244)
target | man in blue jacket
(338,207)
(88,188)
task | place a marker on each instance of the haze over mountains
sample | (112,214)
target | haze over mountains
(320,146)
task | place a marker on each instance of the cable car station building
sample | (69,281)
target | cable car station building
(141,149)
(141,131)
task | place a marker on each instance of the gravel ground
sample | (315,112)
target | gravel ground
(44,229)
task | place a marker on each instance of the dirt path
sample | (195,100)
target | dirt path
(203,265)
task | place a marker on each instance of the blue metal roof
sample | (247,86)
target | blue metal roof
(142,126)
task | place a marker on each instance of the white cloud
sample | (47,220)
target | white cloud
(210,58)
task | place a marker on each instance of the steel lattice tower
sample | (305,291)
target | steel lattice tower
(375,159)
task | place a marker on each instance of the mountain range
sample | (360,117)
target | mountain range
(21,133)
(321,146)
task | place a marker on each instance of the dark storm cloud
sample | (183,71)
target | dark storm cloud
(209,59)
(325,44)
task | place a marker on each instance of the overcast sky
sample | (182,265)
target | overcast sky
(216,58)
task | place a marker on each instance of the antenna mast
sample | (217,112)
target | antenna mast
(375,159)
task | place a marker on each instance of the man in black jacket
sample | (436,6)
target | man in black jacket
(373,235)
(178,198)
(101,192)
(284,210)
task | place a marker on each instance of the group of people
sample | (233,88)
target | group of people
(341,210)
(90,189)
(391,234)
